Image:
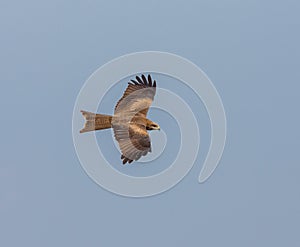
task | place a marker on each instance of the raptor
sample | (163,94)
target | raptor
(129,122)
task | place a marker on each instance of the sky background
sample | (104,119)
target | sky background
(249,49)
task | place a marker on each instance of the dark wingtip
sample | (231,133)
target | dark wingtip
(139,80)
(144,80)
(150,80)
(135,82)
(125,161)
(147,81)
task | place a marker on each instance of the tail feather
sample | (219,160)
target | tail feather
(95,121)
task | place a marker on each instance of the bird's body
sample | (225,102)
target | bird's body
(129,121)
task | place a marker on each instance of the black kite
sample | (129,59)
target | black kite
(129,121)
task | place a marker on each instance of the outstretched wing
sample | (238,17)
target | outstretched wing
(129,122)
(133,140)
(138,96)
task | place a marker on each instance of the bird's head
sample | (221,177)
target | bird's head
(152,126)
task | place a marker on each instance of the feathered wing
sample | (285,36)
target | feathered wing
(134,142)
(138,96)
(129,123)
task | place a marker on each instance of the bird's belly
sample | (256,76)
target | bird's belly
(126,119)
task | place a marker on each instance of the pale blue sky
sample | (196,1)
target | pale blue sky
(249,49)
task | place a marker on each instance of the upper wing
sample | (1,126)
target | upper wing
(134,141)
(138,96)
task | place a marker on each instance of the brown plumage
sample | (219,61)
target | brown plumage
(129,121)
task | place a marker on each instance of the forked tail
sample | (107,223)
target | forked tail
(95,121)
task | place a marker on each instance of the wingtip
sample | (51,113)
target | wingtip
(144,79)
(139,80)
(125,160)
(149,80)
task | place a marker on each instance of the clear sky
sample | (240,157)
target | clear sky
(249,49)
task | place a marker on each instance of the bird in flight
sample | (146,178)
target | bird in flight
(129,122)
